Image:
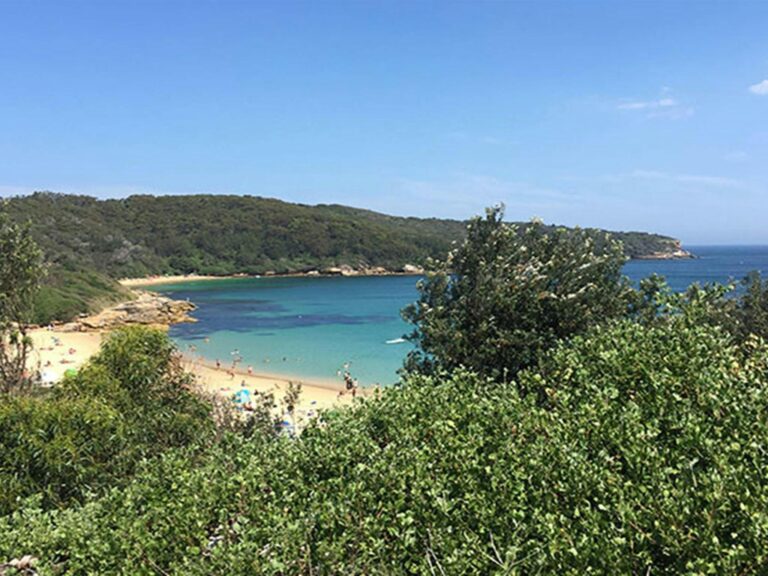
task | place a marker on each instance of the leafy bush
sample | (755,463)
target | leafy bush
(632,450)
(741,309)
(752,308)
(129,403)
(505,295)
(57,449)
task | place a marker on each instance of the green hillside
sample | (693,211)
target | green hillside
(223,234)
(90,242)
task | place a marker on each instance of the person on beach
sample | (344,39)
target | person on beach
(250,370)
(348,381)
(218,364)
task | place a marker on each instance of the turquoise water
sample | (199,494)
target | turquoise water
(302,327)
(309,328)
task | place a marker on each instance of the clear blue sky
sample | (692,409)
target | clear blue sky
(625,115)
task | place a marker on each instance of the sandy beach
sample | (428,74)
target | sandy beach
(159,280)
(56,351)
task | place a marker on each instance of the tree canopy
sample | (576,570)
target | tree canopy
(507,294)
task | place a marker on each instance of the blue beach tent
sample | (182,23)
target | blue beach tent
(242,396)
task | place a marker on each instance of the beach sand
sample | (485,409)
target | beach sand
(159,280)
(314,396)
(56,351)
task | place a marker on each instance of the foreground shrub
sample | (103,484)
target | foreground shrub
(632,450)
(129,403)
(58,449)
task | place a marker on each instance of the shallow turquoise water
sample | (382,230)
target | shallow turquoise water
(310,327)
(303,327)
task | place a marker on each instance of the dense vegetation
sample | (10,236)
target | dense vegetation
(130,403)
(631,442)
(221,235)
(68,292)
(507,294)
(630,449)
(91,242)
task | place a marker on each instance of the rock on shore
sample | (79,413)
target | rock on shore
(363,270)
(148,309)
(676,252)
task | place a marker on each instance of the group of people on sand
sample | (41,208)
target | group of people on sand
(55,342)
(351,384)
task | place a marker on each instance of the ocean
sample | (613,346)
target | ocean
(310,328)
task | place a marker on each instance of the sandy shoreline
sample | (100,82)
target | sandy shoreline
(56,351)
(159,280)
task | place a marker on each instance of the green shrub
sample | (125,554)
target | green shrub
(58,449)
(128,404)
(632,450)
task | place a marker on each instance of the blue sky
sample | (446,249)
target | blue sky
(625,115)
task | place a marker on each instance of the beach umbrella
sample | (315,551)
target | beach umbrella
(71,372)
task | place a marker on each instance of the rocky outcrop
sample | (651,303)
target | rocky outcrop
(411,269)
(347,270)
(148,309)
(343,270)
(675,252)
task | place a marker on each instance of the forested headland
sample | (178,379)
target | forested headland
(88,243)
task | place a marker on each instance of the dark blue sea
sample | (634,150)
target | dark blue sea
(309,328)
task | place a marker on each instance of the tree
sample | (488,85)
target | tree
(753,308)
(506,294)
(21,270)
